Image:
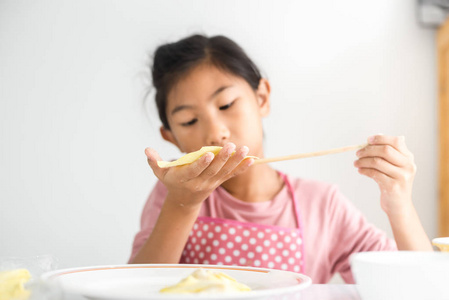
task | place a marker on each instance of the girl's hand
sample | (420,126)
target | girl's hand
(388,161)
(191,184)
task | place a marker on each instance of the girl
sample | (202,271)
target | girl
(222,210)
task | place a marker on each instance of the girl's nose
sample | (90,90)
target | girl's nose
(217,134)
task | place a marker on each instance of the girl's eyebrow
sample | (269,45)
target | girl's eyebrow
(219,90)
(180,107)
(214,94)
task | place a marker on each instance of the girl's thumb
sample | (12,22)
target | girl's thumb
(153,157)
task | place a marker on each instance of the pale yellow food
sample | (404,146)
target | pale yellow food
(441,247)
(192,156)
(11,284)
(206,281)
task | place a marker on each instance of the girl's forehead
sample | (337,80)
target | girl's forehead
(201,82)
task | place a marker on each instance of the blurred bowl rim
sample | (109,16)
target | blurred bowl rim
(441,241)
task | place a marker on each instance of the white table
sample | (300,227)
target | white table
(330,292)
(313,292)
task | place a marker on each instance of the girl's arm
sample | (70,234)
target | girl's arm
(188,186)
(388,162)
(169,235)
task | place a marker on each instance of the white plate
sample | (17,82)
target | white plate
(144,281)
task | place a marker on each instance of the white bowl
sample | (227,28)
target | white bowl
(441,243)
(401,275)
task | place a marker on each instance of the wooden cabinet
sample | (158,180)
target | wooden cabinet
(443,76)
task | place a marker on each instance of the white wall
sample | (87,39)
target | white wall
(73,175)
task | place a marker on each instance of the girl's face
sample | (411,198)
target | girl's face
(210,107)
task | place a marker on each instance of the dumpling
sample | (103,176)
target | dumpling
(192,156)
(206,281)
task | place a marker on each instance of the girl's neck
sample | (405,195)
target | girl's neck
(259,183)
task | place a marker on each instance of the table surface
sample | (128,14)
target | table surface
(330,292)
(313,292)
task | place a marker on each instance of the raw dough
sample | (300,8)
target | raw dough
(206,281)
(192,156)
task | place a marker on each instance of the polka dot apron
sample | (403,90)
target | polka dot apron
(229,242)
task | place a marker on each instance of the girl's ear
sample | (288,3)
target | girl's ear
(263,97)
(168,136)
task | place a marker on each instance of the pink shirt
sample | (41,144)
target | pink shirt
(333,228)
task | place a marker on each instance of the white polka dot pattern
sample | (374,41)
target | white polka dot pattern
(244,244)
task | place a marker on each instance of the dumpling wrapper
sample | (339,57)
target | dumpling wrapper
(203,281)
(193,156)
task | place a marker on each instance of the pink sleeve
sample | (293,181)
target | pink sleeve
(352,234)
(149,217)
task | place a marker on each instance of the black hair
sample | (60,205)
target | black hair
(174,60)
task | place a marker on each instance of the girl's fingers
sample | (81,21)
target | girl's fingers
(397,142)
(375,174)
(233,162)
(242,167)
(152,155)
(196,168)
(220,160)
(152,158)
(379,164)
(387,152)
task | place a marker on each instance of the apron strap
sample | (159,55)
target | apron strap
(297,213)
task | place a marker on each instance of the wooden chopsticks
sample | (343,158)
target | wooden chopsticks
(309,154)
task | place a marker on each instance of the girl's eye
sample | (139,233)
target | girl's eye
(193,121)
(225,107)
